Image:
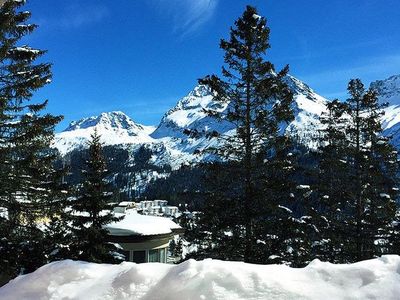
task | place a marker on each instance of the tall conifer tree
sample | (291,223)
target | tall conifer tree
(358,178)
(375,171)
(92,210)
(258,103)
(331,207)
(26,162)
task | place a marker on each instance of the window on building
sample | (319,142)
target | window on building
(139,256)
(153,256)
(162,255)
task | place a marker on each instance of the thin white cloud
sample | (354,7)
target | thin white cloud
(78,15)
(74,15)
(187,15)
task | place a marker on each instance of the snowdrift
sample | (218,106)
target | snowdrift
(209,279)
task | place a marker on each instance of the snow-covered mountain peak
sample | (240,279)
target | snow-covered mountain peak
(297,86)
(114,128)
(389,92)
(305,98)
(308,106)
(200,90)
(107,120)
(388,89)
(189,113)
(198,99)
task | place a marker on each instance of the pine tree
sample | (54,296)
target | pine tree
(394,237)
(218,229)
(92,210)
(285,227)
(258,103)
(359,176)
(374,164)
(57,235)
(331,206)
(27,175)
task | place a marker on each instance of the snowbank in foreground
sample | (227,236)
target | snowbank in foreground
(209,279)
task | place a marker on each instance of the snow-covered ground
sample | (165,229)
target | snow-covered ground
(209,279)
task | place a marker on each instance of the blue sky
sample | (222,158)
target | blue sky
(141,56)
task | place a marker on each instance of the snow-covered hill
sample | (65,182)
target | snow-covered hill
(377,278)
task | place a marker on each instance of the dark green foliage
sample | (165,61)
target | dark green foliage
(219,230)
(331,209)
(115,158)
(394,237)
(245,197)
(358,178)
(29,189)
(92,210)
(284,229)
(142,157)
(184,186)
(285,239)
(176,247)
(125,166)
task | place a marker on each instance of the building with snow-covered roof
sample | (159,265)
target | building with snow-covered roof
(157,208)
(122,207)
(143,238)
(161,203)
(170,211)
(145,204)
(154,211)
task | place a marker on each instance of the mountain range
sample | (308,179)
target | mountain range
(117,129)
(168,147)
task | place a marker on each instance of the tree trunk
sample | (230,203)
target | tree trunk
(358,186)
(248,166)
